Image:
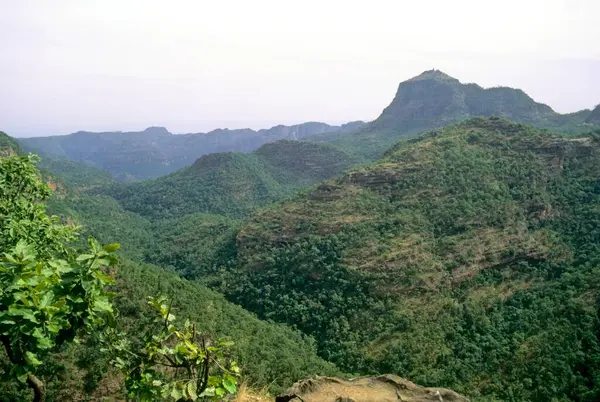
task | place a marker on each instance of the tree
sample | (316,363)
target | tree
(48,292)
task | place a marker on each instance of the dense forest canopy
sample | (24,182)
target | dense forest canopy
(466,257)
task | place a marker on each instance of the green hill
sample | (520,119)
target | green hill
(594,116)
(8,145)
(233,184)
(75,175)
(467,258)
(434,99)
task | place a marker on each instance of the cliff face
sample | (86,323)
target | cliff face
(385,388)
(434,99)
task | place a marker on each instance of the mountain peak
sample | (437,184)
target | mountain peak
(156,130)
(433,75)
(435,99)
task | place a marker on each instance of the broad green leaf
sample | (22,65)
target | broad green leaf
(103,277)
(191,390)
(229,383)
(32,359)
(176,393)
(26,314)
(111,248)
(46,300)
(84,257)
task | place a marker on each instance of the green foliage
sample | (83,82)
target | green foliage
(22,215)
(174,363)
(43,302)
(47,291)
(8,145)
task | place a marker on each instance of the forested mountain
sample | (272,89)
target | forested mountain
(154,152)
(467,257)
(233,184)
(434,99)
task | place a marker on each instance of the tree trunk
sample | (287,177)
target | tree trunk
(39,389)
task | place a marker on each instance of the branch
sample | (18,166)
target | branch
(39,389)
(9,350)
(168,314)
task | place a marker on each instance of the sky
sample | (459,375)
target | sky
(193,66)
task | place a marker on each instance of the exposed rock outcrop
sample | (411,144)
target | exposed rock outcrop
(385,388)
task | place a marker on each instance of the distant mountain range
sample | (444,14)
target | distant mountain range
(430,100)
(154,152)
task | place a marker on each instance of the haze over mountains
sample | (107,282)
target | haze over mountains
(155,151)
(431,99)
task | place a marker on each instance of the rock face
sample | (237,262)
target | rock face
(385,388)
(434,99)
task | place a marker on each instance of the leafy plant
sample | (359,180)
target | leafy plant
(47,291)
(173,363)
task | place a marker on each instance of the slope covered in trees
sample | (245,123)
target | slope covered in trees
(8,145)
(47,296)
(233,184)
(155,152)
(434,99)
(467,258)
(594,116)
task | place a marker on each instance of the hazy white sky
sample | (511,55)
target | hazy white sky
(68,65)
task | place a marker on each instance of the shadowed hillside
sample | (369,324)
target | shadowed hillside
(234,184)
